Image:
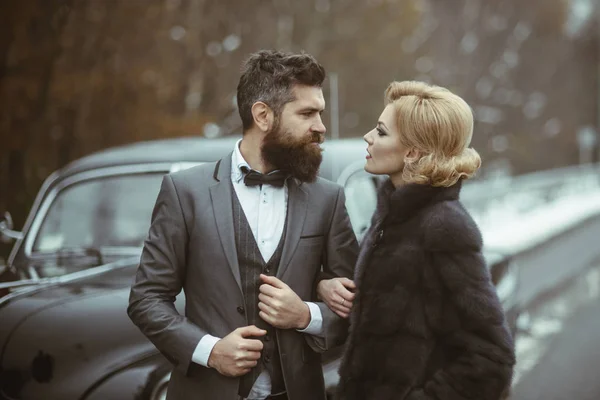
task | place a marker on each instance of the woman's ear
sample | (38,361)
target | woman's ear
(411,156)
(262,115)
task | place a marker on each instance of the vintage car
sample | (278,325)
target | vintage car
(64,331)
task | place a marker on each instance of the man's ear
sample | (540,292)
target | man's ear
(413,155)
(262,115)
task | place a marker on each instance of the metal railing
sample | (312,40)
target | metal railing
(488,200)
(548,222)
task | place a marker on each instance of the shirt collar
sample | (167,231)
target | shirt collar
(238,162)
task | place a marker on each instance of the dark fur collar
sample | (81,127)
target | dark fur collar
(399,204)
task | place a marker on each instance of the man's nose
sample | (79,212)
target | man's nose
(319,126)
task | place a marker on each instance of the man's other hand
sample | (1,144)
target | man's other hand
(235,354)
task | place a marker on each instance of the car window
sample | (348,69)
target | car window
(102,212)
(361,199)
(115,211)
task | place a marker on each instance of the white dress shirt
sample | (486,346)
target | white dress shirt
(265,207)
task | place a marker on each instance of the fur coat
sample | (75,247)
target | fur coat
(426,323)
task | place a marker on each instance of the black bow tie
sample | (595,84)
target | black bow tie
(275,178)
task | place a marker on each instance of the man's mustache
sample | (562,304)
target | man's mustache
(316,137)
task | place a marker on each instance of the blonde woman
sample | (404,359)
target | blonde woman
(426,322)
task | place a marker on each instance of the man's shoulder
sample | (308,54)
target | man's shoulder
(195,175)
(322,186)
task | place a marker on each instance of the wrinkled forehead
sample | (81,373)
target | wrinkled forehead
(307,97)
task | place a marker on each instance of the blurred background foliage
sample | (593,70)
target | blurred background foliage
(77,76)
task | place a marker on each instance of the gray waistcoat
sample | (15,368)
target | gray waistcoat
(252,265)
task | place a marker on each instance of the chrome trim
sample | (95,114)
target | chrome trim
(32,214)
(159,386)
(9,233)
(105,250)
(72,277)
(6,229)
(33,273)
(78,178)
(19,283)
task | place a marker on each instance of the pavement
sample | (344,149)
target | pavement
(558,354)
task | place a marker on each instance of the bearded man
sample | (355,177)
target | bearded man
(247,238)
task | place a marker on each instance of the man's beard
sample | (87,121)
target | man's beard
(300,157)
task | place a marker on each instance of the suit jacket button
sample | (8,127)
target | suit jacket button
(267,338)
(267,358)
(240,309)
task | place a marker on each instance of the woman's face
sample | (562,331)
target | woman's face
(385,152)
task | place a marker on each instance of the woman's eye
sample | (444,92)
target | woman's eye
(380,132)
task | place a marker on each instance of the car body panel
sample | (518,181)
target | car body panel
(69,336)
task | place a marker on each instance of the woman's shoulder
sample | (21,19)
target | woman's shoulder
(448,226)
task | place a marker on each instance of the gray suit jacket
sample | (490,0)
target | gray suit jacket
(191,246)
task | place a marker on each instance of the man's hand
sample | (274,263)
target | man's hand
(235,354)
(280,306)
(336,293)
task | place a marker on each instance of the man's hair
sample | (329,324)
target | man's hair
(269,75)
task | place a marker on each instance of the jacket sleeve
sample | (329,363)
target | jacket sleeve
(484,365)
(341,251)
(159,280)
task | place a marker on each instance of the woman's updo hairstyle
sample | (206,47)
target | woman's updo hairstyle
(439,124)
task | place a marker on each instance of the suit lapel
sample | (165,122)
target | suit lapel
(220,194)
(296,215)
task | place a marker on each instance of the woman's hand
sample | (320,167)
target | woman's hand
(337,294)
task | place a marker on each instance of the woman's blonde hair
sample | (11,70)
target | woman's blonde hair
(439,124)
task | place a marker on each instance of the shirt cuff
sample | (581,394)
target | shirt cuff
(203,350)
(315,326)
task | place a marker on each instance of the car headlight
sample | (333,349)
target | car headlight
(159,392)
